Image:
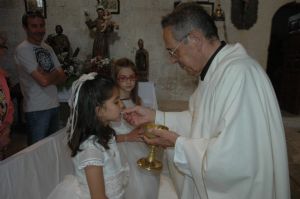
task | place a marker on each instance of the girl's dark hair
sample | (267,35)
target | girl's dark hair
(127,63)
(92,93)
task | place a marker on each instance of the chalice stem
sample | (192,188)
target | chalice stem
(150,162)
(152,154)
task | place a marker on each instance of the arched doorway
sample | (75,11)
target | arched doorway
(277,58)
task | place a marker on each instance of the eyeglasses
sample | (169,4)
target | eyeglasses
(171,52)
(124,78)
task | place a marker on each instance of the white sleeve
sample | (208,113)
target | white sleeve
(92,154)
(90,157)
(26,58)
(190,159)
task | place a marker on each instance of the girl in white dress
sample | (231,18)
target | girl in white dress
(99,173)
(141,184)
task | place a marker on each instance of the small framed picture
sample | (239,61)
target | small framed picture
(112,5)
(208,6)
(36,5)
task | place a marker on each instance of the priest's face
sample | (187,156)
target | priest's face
(184,52)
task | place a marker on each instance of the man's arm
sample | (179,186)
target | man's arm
(57,76)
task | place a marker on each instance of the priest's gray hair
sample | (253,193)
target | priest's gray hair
(187,17)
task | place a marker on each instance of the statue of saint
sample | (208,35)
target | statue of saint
(142,62)
(104,27)
(60,44)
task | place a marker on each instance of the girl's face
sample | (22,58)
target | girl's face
(111,109)
(126,80)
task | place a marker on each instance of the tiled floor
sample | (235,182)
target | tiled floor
(292,130)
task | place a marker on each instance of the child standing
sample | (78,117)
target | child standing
(142,184)
(94,103)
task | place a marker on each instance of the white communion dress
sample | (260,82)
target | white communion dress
(115,174)
(141,183)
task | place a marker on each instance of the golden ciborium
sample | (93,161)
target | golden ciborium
(151,163)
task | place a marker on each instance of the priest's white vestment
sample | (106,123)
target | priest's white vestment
(232,143)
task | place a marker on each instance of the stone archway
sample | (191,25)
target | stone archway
(277,49)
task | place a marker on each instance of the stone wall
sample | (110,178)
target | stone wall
(137,19)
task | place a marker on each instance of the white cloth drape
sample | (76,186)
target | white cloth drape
(34,172)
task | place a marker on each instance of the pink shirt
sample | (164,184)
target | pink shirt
(6,105)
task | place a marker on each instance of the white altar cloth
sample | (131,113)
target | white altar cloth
(35,171)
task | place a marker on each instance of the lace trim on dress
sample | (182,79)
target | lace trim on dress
(92,162)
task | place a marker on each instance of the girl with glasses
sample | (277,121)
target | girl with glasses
(140,184)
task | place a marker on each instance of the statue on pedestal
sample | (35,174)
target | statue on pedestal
(104,27)
(142,62)
(60,44)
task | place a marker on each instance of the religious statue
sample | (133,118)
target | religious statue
(142,62)
(104,27)
(218,15)
(60,44)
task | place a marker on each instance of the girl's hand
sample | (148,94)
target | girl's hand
(135,135)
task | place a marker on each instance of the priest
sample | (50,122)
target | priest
(230,143)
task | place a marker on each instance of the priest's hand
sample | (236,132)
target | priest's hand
(162,138)
(138,115)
